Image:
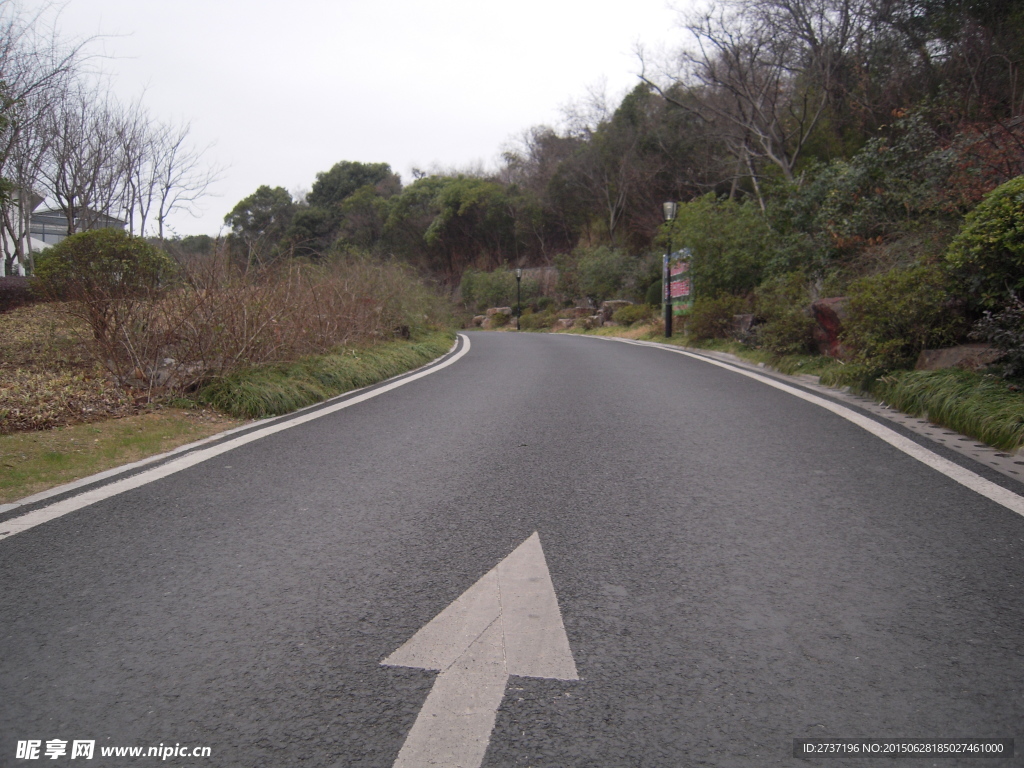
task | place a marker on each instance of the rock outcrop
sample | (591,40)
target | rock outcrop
(829,315)
(609,308)
(968,356)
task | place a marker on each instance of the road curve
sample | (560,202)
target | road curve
(736,568)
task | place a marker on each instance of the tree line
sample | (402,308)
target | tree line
(837,123)
(838,120)
(66,140)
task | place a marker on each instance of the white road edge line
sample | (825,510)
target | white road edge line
(1007,498)
(45,514)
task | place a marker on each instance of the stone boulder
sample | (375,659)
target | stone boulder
(563,323)
(479,320)
(582,311)
(968,356)
(829,315)
(742,325)
(609,308)
(503,310)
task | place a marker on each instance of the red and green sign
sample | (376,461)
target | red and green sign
(679,287)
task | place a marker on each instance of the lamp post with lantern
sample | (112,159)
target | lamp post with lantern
(668,211)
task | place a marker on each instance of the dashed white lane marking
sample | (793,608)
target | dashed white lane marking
(507,623)
(965,477)
(45,514)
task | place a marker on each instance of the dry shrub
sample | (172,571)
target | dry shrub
(215,319)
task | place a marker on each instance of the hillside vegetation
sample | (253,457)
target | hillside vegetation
(866,149)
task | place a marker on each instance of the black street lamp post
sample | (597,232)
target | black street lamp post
(519,305)
(668,210)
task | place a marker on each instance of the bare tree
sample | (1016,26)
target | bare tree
(84,172)
(764,71)
(180,172)
(36,63)
(24,155)
(135,141)
(583,116)
(65,139)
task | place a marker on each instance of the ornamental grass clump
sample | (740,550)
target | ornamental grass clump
(982,406)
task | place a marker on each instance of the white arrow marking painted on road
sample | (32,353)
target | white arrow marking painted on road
(508,623)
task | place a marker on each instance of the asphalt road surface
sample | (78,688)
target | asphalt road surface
(735,568)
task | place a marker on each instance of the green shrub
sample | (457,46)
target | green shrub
(533,321)
(598,274)
(500,319)
(604,272)
(634,313)
(989,250)
(894,315)
(106,273)
(1004,330)
(840,208)
(542,303)
(482,290)
(781,304)
(731,244)
(712,318)
(654,291)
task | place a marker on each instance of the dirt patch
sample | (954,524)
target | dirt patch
(47,376)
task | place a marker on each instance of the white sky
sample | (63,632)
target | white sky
(288,88)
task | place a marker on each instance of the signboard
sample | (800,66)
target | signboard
(678,286)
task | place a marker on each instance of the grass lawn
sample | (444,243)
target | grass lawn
(34,461)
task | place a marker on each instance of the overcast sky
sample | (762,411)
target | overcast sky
(285,89)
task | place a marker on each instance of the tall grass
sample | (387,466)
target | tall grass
(275,389)
(981,406)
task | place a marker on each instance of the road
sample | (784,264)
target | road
(735,568)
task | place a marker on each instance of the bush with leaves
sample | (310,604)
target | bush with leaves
(1004,330)
(731,244)
(653,296)
(890,180)
(781,304)
(601,273)
(533,321)
(988,253)
(894,315)
(633,313)
(106,275)
(481,290)
(713,318)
